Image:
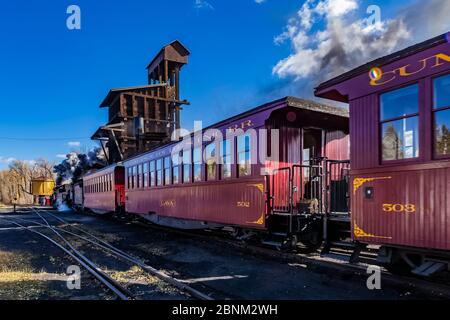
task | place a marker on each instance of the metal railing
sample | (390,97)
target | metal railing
(321,187)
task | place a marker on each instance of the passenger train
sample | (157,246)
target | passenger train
(377,174)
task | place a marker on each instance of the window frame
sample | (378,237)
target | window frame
(199,164)
(212,145)
(418,114)
(152,173)
(159,172)
(232,143)
(434,111)
(167,168)
(189,168)
(238,165)
(176,168)
(145,174)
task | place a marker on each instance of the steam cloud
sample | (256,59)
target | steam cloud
(76,164)
(345,42)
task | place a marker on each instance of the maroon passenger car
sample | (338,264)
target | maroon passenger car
(104,190)
(185,192)
(400,153)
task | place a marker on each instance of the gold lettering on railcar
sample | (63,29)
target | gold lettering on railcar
(243,204)
(359,182)
(168,203)
(406,71)
(243,125)
(399,208)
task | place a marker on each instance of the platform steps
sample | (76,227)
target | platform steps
(276,240)
(428,268)
(354,248)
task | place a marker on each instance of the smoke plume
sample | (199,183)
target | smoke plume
(77,164)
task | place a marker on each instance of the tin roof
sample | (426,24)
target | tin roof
(114,92)
(177,45)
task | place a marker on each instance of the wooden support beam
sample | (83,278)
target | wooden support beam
(157,98)
(123,105)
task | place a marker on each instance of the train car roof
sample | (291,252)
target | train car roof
(96,172)
(321,90)
(288,101)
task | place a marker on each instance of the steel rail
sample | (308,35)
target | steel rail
(86,263)
(111,280)
(114,250)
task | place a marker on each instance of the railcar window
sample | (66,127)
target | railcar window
(167,169)
(187,166)
(152,174)
(111,182)
(400,123)
(134,182)
(211,161)
(145,175)
(225,151)
(129,177)
(244,155)
(441,117)
(159,172)
(197,164)
(139,176)
(176,169)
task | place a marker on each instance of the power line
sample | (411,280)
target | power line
(44,139)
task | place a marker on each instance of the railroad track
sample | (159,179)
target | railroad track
(64,244)
(368,257)
(338,259)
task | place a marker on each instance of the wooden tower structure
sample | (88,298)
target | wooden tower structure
(143,117)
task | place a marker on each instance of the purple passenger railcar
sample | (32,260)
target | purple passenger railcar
(400,153)
(243,194)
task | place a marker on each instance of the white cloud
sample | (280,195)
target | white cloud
(328,39)
(30,162)
(202,4)
(74,143)
(260,1)
(10,160)
(7,160)
(61,156)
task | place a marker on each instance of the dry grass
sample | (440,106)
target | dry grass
(18,280)
(136,276)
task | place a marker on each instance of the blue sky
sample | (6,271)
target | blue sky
(53,79)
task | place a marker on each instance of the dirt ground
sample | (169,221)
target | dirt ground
(33,269)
